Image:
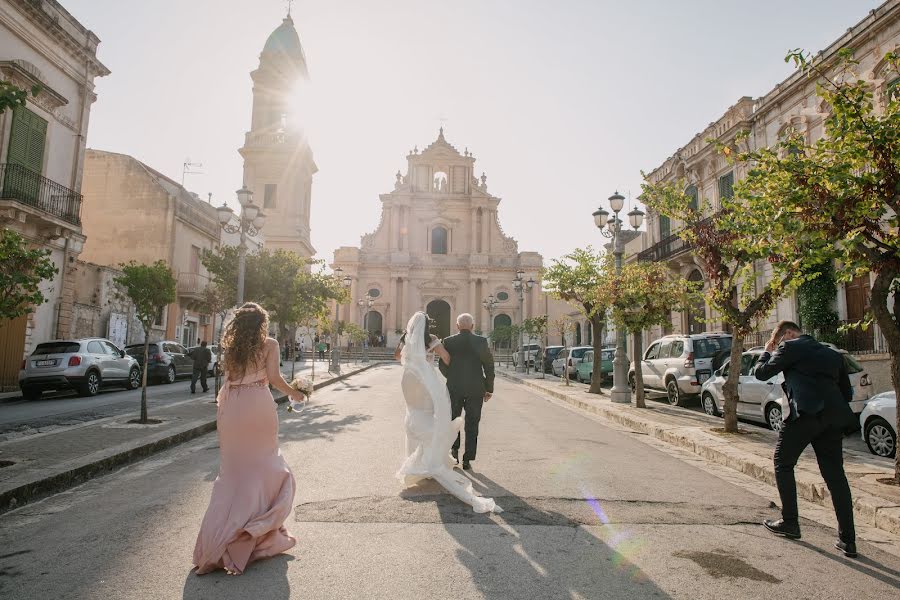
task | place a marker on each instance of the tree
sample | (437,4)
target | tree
(150,288)
(536,327)
(12,96)
(575,279)
(643,295)
(564,326)
(730,246)
(843,189)
(501,335)
(21,272)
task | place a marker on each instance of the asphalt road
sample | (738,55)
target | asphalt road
(591,511)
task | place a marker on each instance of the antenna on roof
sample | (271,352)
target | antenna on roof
(289,3)
(187,169)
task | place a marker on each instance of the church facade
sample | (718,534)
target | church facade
(440,248)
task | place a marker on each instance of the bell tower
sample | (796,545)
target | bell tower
(278,162)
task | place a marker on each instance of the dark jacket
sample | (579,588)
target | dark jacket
(471,370)
(815,377)
(202,357)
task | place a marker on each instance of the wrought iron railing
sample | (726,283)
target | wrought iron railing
(26,187)
(854,340)
(668,247)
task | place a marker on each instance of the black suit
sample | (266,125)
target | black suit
(469,376)
(818,390)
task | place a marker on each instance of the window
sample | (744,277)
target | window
(677,349)
(893,90)
(502,296)
(195,259)
(95,348)
(652,352)
(726,187)
(374,293)
(270,195)
(159,321)
(747,362)
(665,227)
(692,193)
(439,240)
(111,349)
(665,350)
(27,139)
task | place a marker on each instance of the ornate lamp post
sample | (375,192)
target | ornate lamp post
(346,281)
(365,305)
(520,286)
(489,303)
(251,222)
(612,228)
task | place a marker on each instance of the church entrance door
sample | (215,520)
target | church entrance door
(439,312)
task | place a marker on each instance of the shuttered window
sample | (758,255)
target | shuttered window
(665,227)
(271,195)
(893,89)
(726,187)
(691,192)
(27,139)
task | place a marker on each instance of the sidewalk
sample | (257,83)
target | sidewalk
(750,452)
(35,466)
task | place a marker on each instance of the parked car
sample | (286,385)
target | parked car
(83,365)
(168,360)
(214,363)
(567,358)
(878,421)
(679,364)
(549,356)
(584,369)
(761,401)
(533,351)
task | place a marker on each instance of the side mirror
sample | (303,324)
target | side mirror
(717,372)
(122,353)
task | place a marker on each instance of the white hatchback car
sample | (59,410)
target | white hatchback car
(878,422)
(760,401)
(567,359)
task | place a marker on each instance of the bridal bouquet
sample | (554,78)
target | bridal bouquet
(305,387)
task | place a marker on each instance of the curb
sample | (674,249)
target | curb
(119,456)
(868,509)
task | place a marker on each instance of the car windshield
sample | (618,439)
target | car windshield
(607,354)
(139,350)
(852,364)
(579,352)
(709,347)
(551,352)
(56,348)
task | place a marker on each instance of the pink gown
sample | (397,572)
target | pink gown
(254,492)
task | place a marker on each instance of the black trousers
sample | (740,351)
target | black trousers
(826,438)
(472,406)
(199,373)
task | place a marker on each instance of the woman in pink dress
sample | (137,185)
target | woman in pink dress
(254,492)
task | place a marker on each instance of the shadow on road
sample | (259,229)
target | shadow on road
(262,579)
(862,564)
(314,422)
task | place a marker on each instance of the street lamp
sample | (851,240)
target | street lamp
(365,306)
(520,285)
(346,281)
(612,228)
(489,303)
(251,222)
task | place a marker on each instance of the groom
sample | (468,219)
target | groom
(470,380)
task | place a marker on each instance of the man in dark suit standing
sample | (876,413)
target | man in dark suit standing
(818,391)
(470,380)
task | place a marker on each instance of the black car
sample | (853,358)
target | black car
(168,360)
(549,356)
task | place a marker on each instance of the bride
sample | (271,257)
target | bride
(429,429)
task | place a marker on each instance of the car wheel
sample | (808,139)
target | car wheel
(134,379)
(773,417)
(880,438)
(91,385)
(170,374)
(673,392)
(31,393)
(709,405)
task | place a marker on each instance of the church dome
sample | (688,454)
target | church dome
(283,46)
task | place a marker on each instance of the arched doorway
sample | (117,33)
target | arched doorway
(439,312)
(696,314)
(502,320)
(374,326)
(577,334)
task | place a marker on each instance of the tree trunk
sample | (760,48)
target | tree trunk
(638,351)
(597,345)
(890,328)
(143,418)
(730,389)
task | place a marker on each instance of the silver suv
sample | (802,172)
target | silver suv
(81,365)
(679,364)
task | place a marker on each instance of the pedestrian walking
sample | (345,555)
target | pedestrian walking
(321,348)
(818,391)
(202,357)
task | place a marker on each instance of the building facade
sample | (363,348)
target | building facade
(792,105)
(278,162)
(42,149)
(439,247)
(133,212)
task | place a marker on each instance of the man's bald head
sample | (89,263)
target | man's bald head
(465,322)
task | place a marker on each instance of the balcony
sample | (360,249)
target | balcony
(25,187)
(668,248)
(190,286)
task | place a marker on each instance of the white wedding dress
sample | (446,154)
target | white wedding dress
(429,430)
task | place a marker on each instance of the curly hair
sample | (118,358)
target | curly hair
(244,339)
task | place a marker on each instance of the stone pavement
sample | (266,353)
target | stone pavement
(749,452)
(37,465)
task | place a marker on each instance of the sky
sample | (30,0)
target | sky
(562,103)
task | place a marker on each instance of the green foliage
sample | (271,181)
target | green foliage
(576,277)
(503,335)
(12,96)
(148,287)
(21,272)
(645,294)
(355,333)
(816,297)
(536,327)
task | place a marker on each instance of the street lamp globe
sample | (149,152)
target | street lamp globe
(530,282)
(224,214)
(600,218)
(617,202)
(338,272)
(250,211)
(244,195)
(259,221)
(491,299)
(613,224)
(520,274)
(636,217)
(348,281)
